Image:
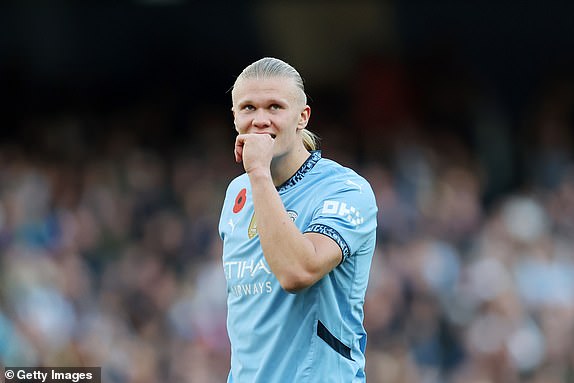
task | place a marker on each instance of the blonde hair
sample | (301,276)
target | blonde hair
(269,67)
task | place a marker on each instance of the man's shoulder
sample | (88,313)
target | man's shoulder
(240,181)
(236,186)
(339,174)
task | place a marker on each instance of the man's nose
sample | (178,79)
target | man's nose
(261,119)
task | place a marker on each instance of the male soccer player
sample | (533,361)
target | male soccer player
(298,236)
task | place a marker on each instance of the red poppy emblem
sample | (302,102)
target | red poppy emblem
(240,200)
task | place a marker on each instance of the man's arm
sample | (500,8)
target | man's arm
(298,260)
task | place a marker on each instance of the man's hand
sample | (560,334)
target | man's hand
(255,151)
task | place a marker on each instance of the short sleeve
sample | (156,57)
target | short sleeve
(347,215)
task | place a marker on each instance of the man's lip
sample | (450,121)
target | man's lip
(271,134)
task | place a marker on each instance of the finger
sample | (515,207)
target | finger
(238,154)
(239,143)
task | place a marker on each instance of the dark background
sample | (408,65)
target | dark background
(101,57)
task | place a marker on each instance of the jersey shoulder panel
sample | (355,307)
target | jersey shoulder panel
(342,179)
(235,197)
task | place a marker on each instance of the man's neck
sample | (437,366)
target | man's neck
(284,167)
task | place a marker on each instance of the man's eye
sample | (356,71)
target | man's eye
(275,107)
(249,107)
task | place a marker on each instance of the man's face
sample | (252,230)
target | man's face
(273,106)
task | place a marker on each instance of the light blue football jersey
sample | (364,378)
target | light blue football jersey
(317,334)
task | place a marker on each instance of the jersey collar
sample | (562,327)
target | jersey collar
(299,174)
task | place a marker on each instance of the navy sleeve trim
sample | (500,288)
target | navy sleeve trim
(332,341)
(334,235)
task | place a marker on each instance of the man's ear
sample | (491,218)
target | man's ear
(304,117)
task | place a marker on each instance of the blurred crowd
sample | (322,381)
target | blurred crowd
(110,255)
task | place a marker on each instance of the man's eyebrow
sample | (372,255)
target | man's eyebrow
(268,101)
(276,101)
(244,102)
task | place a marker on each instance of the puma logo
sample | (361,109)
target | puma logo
(351,183)
(230,223)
